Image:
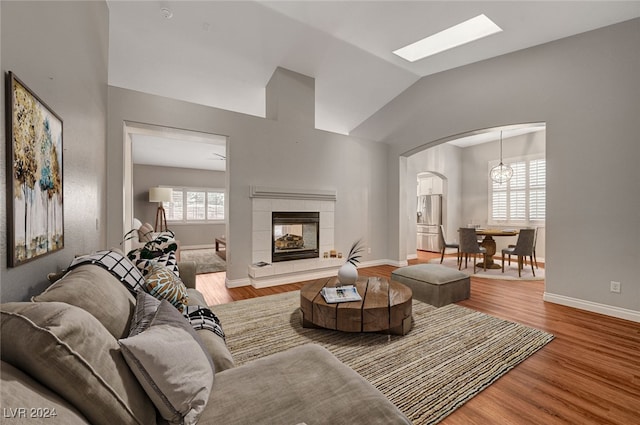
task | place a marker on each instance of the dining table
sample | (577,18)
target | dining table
(489,244)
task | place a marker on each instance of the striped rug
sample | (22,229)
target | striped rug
(451,354)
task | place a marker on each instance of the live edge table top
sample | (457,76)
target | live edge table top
(385,307)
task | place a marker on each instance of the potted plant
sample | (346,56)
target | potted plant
(348,272)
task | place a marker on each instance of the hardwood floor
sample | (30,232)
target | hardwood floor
(589,374)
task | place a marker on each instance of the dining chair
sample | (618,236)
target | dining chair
(523,248)
(469,245)
(535,241)
(445,245)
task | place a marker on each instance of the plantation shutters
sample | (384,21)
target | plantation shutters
(523,198)
(192,205)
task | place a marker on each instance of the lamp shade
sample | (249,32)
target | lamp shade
(160,194)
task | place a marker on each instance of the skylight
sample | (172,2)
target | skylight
(457,35)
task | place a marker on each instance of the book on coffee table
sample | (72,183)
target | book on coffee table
(341,294)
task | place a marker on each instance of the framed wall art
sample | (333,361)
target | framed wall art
(35,222)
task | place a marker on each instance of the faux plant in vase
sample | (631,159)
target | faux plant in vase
(348,272)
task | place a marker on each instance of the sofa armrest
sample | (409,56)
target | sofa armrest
(306,384)
(26,395)
(188,273)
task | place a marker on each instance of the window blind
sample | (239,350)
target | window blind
(523,198)
(195,205)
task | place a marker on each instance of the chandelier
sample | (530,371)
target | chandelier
(501,173)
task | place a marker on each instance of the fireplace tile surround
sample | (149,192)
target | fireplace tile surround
(267,200)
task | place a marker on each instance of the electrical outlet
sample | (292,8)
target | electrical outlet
(615,287)
(368,250)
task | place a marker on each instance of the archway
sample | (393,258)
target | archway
(462,161)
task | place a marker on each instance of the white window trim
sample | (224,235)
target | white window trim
(513,222)
(186,189)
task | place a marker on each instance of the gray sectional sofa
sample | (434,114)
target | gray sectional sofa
(64,362)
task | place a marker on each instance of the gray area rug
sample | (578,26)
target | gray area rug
(451,354)
(207,261)
(510,271)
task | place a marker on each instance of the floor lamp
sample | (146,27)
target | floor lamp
(160,195)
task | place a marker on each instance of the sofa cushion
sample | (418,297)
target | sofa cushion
(306,384)
(68,350)
(163,284)
(195,297)
(172,365)
(25,400)
(216,346)
(95,290)
(146,307)
(432,273)
(434,284)
(188,273)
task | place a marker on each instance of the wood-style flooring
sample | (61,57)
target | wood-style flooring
(589,374)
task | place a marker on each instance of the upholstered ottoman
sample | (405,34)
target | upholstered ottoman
(434,284)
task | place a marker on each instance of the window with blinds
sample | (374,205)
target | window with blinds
(522,200)
(190,205)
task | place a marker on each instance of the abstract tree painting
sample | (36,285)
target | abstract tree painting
(34,187)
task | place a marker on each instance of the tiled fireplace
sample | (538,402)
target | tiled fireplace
(295,211)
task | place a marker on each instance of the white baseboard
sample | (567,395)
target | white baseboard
(608,310)
(188,247)
(384,262)
(394,263)
(237,283)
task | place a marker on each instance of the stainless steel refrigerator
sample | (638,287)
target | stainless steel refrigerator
(429,219)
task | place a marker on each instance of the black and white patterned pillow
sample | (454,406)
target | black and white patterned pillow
(144,264)
(117,264)
(203,318)
(163,242)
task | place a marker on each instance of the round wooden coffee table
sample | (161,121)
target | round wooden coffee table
(385,307)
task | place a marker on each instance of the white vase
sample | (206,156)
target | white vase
(347,274)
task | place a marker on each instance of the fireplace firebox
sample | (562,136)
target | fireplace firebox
(295,235)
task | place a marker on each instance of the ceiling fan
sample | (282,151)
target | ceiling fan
(217,156)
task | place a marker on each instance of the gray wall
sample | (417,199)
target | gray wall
(60,51)
(586,90)
(146,176)
(268,153)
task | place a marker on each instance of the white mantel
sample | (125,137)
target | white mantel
(266,200)
(265,192)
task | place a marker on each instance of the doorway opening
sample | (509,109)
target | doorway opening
(192,163)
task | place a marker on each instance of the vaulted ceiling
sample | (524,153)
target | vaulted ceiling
(223,53)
